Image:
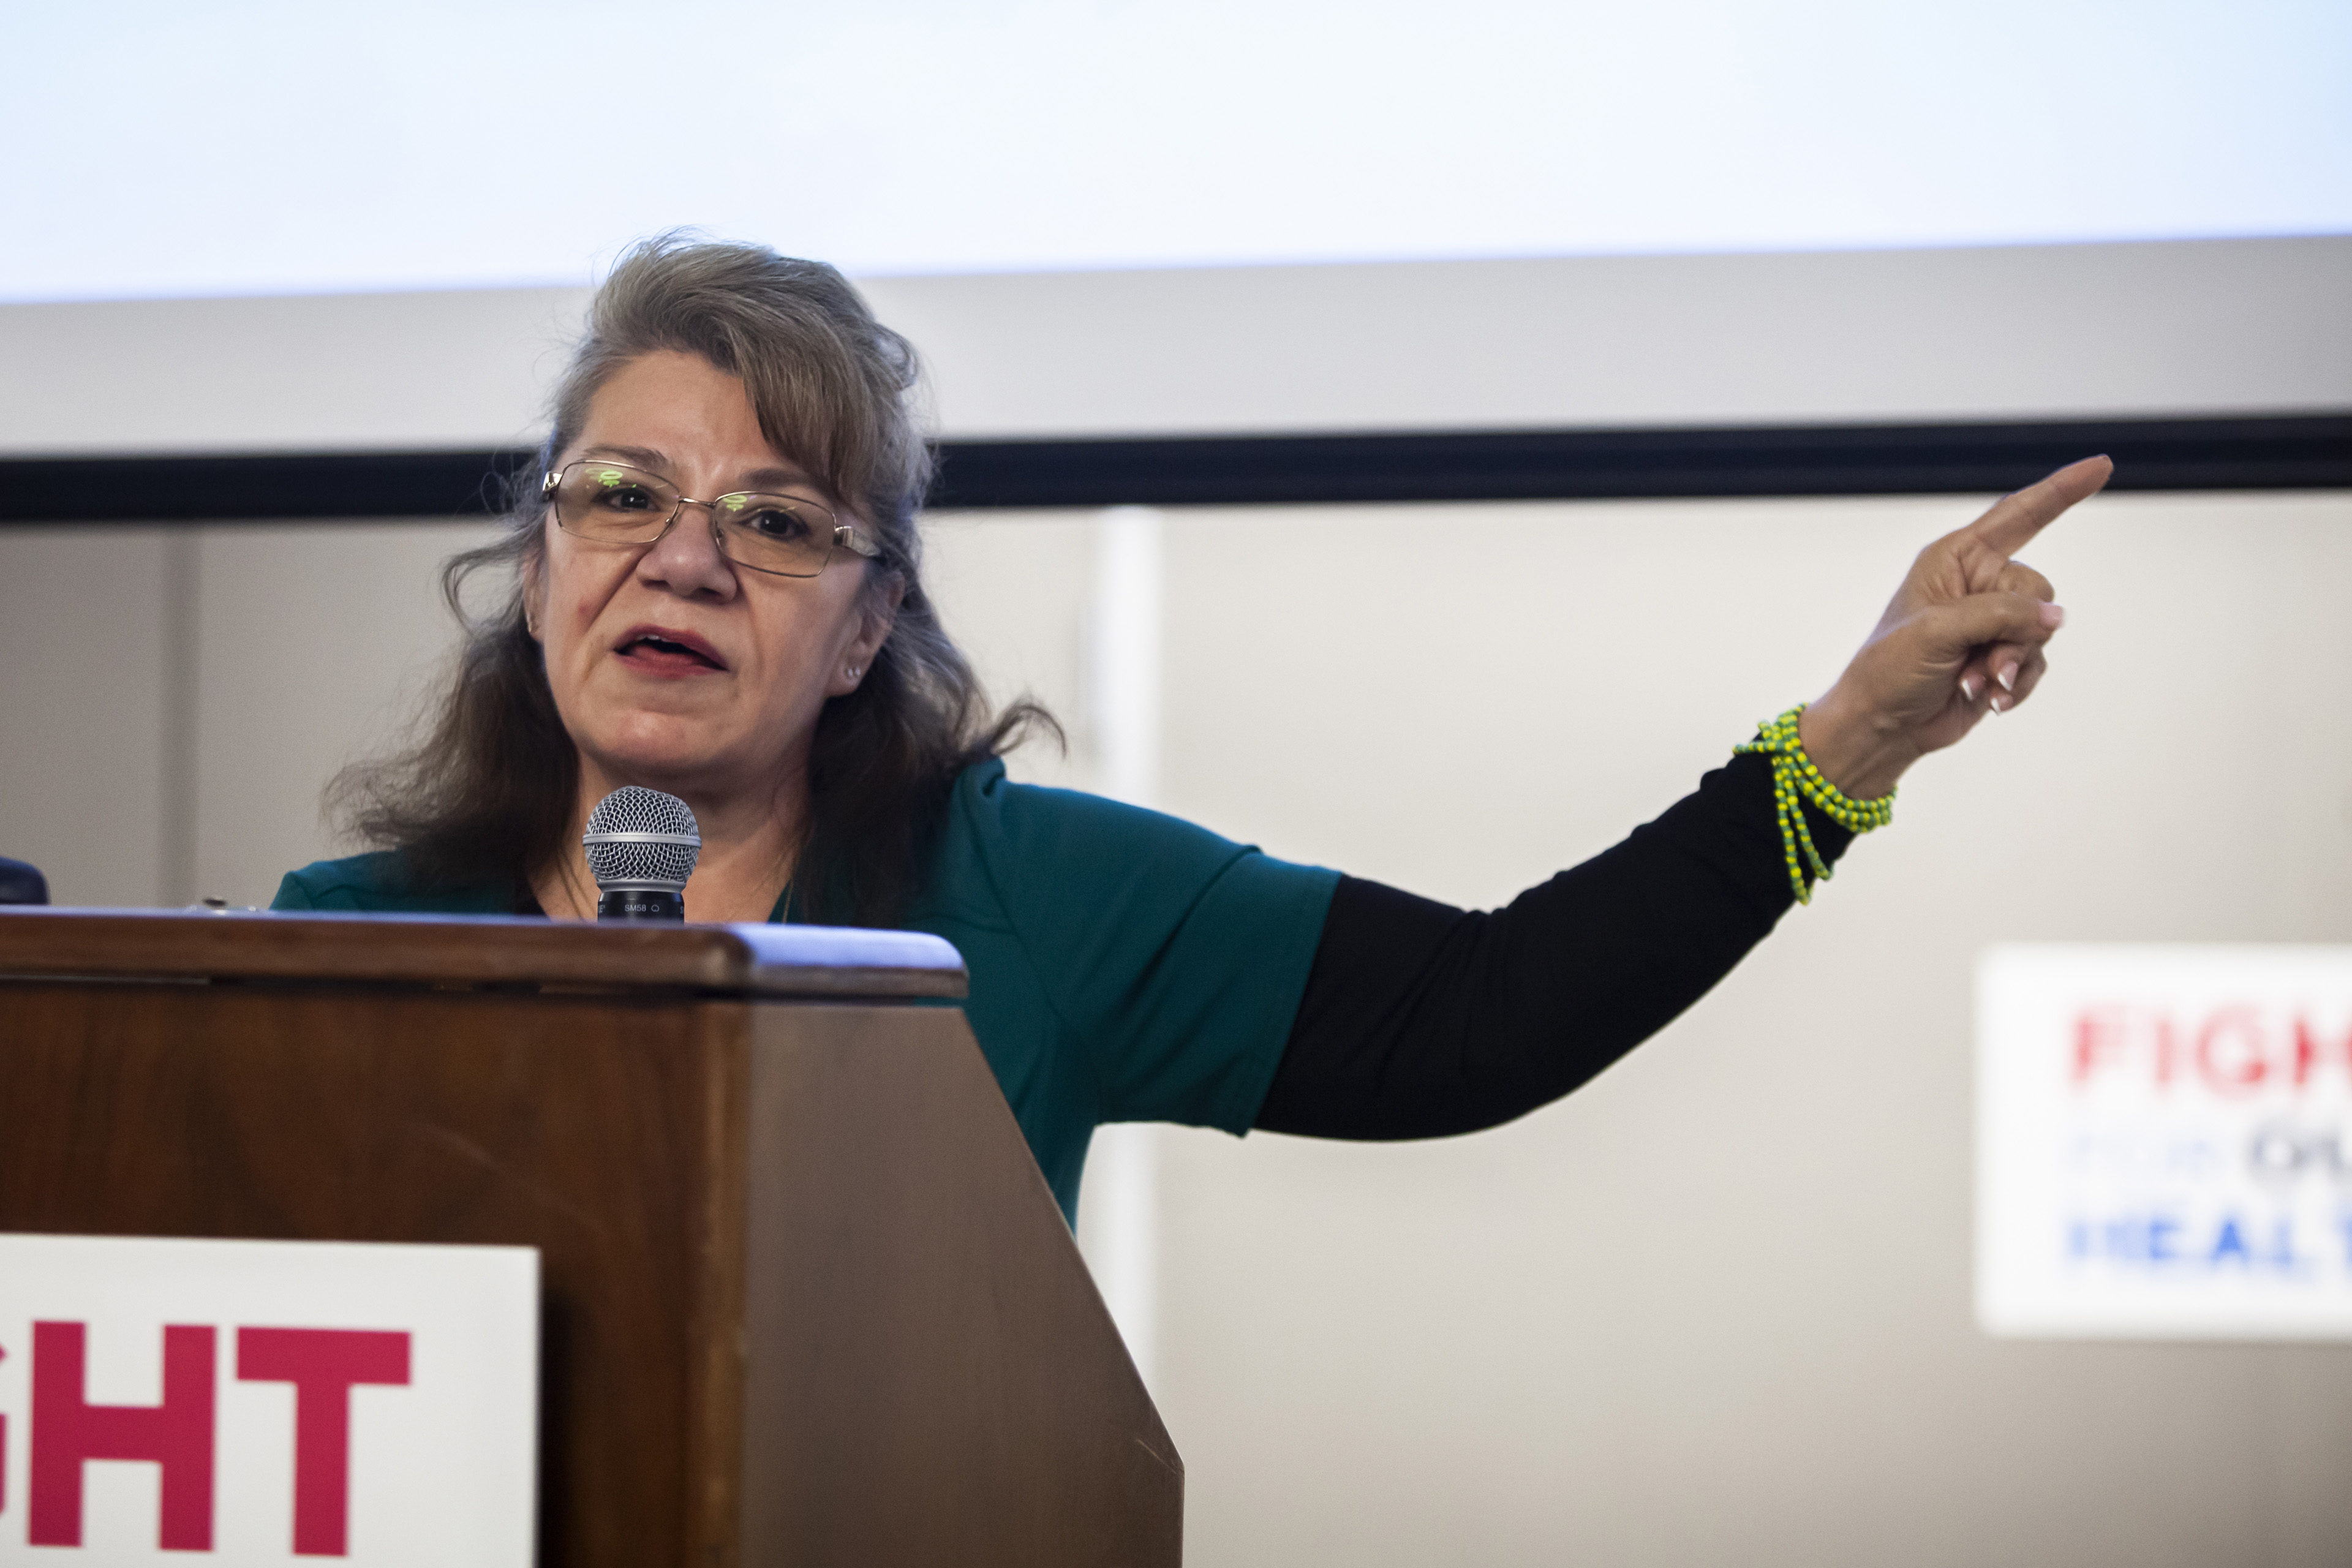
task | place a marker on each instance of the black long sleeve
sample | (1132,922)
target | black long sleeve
(1421,1020)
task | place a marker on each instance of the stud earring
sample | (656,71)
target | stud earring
(853,672)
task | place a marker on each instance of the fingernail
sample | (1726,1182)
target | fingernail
(2008,676)
(1969,688)
(2052,617)
(1995,704)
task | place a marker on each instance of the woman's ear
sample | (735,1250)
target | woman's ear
(876,617)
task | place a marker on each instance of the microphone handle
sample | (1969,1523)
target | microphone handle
(640,904)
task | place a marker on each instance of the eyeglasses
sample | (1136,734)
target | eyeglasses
(613,503)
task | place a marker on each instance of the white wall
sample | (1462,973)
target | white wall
(935,136)
(2220,326)
(1713,1308)
(88,624)
(311,646)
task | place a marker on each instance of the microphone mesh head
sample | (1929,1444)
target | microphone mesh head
(641,839)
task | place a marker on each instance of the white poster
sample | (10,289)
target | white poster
(266,1403)
(2162,1142)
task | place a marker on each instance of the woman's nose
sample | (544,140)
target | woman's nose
(685,560)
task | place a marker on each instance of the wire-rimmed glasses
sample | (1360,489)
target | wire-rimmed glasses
(618,504)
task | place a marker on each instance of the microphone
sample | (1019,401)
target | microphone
(641,846)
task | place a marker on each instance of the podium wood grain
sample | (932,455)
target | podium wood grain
(807,1298)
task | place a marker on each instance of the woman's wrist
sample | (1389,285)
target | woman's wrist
(1862,755)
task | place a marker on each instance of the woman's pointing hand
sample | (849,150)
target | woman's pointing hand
(1963,636)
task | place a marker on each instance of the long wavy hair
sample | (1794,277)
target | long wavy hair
(491,784)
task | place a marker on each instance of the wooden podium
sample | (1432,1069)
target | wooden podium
(807,1298)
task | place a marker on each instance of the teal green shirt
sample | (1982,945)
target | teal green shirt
(1124,966)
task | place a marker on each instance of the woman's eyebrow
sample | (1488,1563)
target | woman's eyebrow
(643,457)
(762,479)
(647,458)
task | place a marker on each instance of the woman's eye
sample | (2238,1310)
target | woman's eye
(624,498)
(775,522)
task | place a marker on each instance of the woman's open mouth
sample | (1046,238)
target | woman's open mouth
(665,652)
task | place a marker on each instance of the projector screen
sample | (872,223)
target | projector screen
(259,147)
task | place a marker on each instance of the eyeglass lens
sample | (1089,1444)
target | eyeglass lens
(613,503)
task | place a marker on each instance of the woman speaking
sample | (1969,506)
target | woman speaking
(716,590)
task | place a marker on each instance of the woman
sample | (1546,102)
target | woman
(769,654)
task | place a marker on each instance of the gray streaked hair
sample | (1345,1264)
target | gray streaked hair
(492,786)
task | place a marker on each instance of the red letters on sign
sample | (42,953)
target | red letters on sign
(2238,1071)
(178,1435)
(2235,1050)
(2308,1047)
(2098,1040)
(322,1364)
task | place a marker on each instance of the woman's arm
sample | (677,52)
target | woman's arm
(1421,1020)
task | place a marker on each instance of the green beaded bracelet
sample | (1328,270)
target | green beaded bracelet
(1796,782)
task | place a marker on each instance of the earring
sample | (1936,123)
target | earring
(853,672)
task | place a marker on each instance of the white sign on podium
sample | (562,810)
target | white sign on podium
(248,1402)
(2164,1141)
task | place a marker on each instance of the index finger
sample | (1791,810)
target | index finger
(2016,518)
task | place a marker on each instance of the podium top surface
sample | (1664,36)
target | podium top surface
(472,950)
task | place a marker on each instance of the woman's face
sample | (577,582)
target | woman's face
(672,666)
